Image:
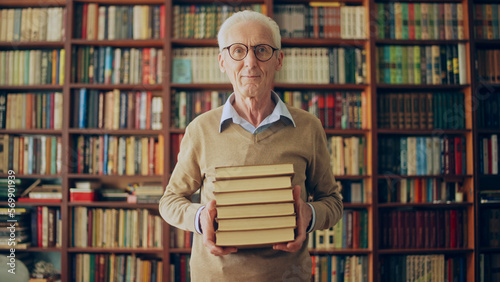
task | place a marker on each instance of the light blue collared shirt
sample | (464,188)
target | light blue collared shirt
(230,114)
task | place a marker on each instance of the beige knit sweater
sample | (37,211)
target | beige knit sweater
(203,148)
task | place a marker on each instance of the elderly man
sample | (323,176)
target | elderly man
(253,127)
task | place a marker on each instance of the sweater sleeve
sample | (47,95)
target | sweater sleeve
(175,206)
(321,184)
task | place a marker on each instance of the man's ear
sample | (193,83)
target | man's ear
(221,63)
(279,66)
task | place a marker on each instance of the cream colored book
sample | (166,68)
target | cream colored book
(249,184)
(255,210)
(254,197)
(254,238)
(233,172)
(270,222)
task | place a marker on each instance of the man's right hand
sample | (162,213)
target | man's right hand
(207,220)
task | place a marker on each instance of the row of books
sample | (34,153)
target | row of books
(180,269)
(197,65)
(117,109)
(353,191)
(117,155)
(336,65)
(490,228)
(31,154)
(16,228)
(486,24)
(32,24)
(488,154)
(489,266)
(110,65)
(488,65)
(180,238)
(332,268)
(439,110)
(326,20)
(115,228)
(487,113)
(418,229)
(489,196)
(186,105)
(419,190)
(115,22)
(351,232)
(422,155)
(46,227)
(348,155)
(31,110)
(200,21)
(423,268)
(444,21)
(429,64)
(32,67)
(116,267)
(339,109)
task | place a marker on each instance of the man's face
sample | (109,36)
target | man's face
(250,77)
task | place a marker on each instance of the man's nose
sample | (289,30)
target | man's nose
(251,60)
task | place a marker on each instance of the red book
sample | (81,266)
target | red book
(148,109)
(146,68)
(84,21)
(411,21)
(338,110)
(39,225)
(432,229)
(355,229)
(453,229)
(419,218)
(137,109)
(401,229)
(460,230)
(321,108)
(162,21)
(330,108)
(427,229)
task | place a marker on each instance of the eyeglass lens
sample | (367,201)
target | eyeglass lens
(263,52)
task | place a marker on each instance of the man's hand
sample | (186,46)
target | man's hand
(207,220)
(304,215)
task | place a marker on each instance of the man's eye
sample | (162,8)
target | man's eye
(238,51)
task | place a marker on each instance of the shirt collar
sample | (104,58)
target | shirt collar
(280,111)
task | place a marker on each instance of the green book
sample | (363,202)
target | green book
(404,72)
(418,21)
(404,32)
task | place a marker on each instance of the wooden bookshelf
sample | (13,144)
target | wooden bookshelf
(471,180)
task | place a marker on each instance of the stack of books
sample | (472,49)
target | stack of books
(254,205)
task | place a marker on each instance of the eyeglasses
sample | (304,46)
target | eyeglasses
(239,51)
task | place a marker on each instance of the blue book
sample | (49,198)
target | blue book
(404,155)
(105,153)
(430,189)
(58,63)
(108,65)
(53,157)
(49,109)
(421,156)
(82,114)
(181,70)
(100,72)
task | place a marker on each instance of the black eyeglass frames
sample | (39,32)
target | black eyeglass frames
(239,51)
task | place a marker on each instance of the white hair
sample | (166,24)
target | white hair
(244,17)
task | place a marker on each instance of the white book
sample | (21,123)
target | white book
(116,66)
(341,65)
(494,154)
(355,155)
(43,28)
(43,140)
(58,109)
(101,32)
(32,66)
(3,24)
(116,109)
(462,63)
(111,22)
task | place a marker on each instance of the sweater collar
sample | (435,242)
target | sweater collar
(280,112)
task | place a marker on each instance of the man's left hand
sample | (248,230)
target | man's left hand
(304,215)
